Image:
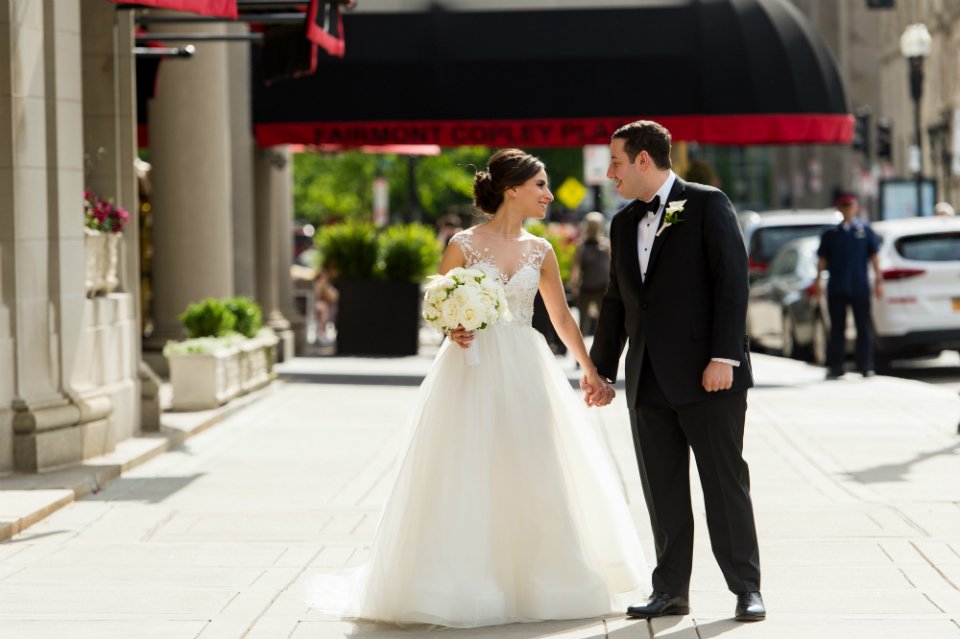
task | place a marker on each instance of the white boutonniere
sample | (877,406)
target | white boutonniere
(672,215)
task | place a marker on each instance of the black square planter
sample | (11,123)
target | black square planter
(378,318)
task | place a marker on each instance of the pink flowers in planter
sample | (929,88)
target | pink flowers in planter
(102,214)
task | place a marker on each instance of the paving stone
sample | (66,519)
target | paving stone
(44,601)
(108,577)
(792,628)
(626,628)
(583,629)
(141,629)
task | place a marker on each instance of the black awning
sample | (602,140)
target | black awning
(716,71)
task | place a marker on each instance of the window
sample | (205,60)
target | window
(932,247)
(785,264)
(766,241)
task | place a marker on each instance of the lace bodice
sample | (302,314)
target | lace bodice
(516,261)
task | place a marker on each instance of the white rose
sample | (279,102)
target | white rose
(450,313)
(489,309)
(489,285)
(448,283)
(462,295)
(471,316)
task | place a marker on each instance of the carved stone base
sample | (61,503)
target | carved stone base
(61,434)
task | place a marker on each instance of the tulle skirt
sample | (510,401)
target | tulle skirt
(505,507)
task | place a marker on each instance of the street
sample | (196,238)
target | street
(854,486)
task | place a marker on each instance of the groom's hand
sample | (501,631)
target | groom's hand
(717,376)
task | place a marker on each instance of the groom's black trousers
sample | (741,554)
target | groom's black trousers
(663,435)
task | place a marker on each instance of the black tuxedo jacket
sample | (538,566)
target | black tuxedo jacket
(692,306)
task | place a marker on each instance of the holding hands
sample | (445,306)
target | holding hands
(597,392)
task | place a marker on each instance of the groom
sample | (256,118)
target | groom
(678,290)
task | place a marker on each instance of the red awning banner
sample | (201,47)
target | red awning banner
(326,30)
(736,130)
(215,8)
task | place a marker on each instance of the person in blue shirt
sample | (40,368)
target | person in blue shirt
(845,251)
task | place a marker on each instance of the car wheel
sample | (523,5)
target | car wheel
(789,343)
(820,341)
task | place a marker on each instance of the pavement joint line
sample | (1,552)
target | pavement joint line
(933,602)
(158,526)
(933,565)
(230,601)
(279,593)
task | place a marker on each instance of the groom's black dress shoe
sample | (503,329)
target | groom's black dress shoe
(660,604)
(750,607)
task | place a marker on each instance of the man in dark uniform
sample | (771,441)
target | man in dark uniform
(845,250)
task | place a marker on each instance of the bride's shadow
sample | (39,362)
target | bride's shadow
(538,630)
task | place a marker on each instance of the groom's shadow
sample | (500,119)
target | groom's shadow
(676,627)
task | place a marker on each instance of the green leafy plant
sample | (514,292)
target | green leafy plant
(562,238)
(408,252)
(248,315)
(350,249)
(209,318)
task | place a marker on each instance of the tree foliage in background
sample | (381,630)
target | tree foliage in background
(330,187)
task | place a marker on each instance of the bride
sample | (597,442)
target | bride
(505,507)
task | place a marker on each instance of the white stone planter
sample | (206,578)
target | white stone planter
(202,381)
(102,256)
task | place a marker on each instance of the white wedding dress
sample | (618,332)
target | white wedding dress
(505,507)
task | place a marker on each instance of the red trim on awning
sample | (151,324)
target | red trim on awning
(738,130)
(143,136)
(216,8)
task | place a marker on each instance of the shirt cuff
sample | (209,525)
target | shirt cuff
(732,362)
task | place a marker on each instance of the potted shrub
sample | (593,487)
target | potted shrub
(378,277)
(103,225)
(229,353)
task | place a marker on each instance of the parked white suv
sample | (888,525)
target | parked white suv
(920,311)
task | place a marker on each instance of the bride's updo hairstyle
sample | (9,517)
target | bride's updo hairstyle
(506,169)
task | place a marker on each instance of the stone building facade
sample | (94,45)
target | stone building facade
(73,381)
(940,103)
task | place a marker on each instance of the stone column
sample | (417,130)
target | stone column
(270,166)
(190,152)
(242,150)
(41,241)
(109,114)
(283,221)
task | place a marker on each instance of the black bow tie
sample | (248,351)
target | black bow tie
(643,208)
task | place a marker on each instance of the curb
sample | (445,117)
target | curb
(26,499)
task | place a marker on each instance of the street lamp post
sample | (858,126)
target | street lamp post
(915,44)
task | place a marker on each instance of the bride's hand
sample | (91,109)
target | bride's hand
(596,390)
(461,336)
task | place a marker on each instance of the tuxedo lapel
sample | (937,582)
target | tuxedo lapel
(632,250)
(676,193)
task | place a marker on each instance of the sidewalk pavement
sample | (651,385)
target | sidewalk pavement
(854,483)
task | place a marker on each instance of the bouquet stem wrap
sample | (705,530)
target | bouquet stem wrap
(471,355)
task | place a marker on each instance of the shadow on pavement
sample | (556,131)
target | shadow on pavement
(368,630)
(897,472)
(152,490)
(723,626)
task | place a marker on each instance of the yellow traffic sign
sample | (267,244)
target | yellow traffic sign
(571,193)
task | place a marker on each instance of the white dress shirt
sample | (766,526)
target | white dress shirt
(647,233)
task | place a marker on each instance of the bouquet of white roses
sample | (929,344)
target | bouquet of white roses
(465,298)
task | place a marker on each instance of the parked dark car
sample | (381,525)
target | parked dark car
(766,233)
(784,315)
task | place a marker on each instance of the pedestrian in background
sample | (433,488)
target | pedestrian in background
(448,226)
(590,272)
(845,251)
(944,209)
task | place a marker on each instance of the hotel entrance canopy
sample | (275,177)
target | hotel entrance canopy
(733,72)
